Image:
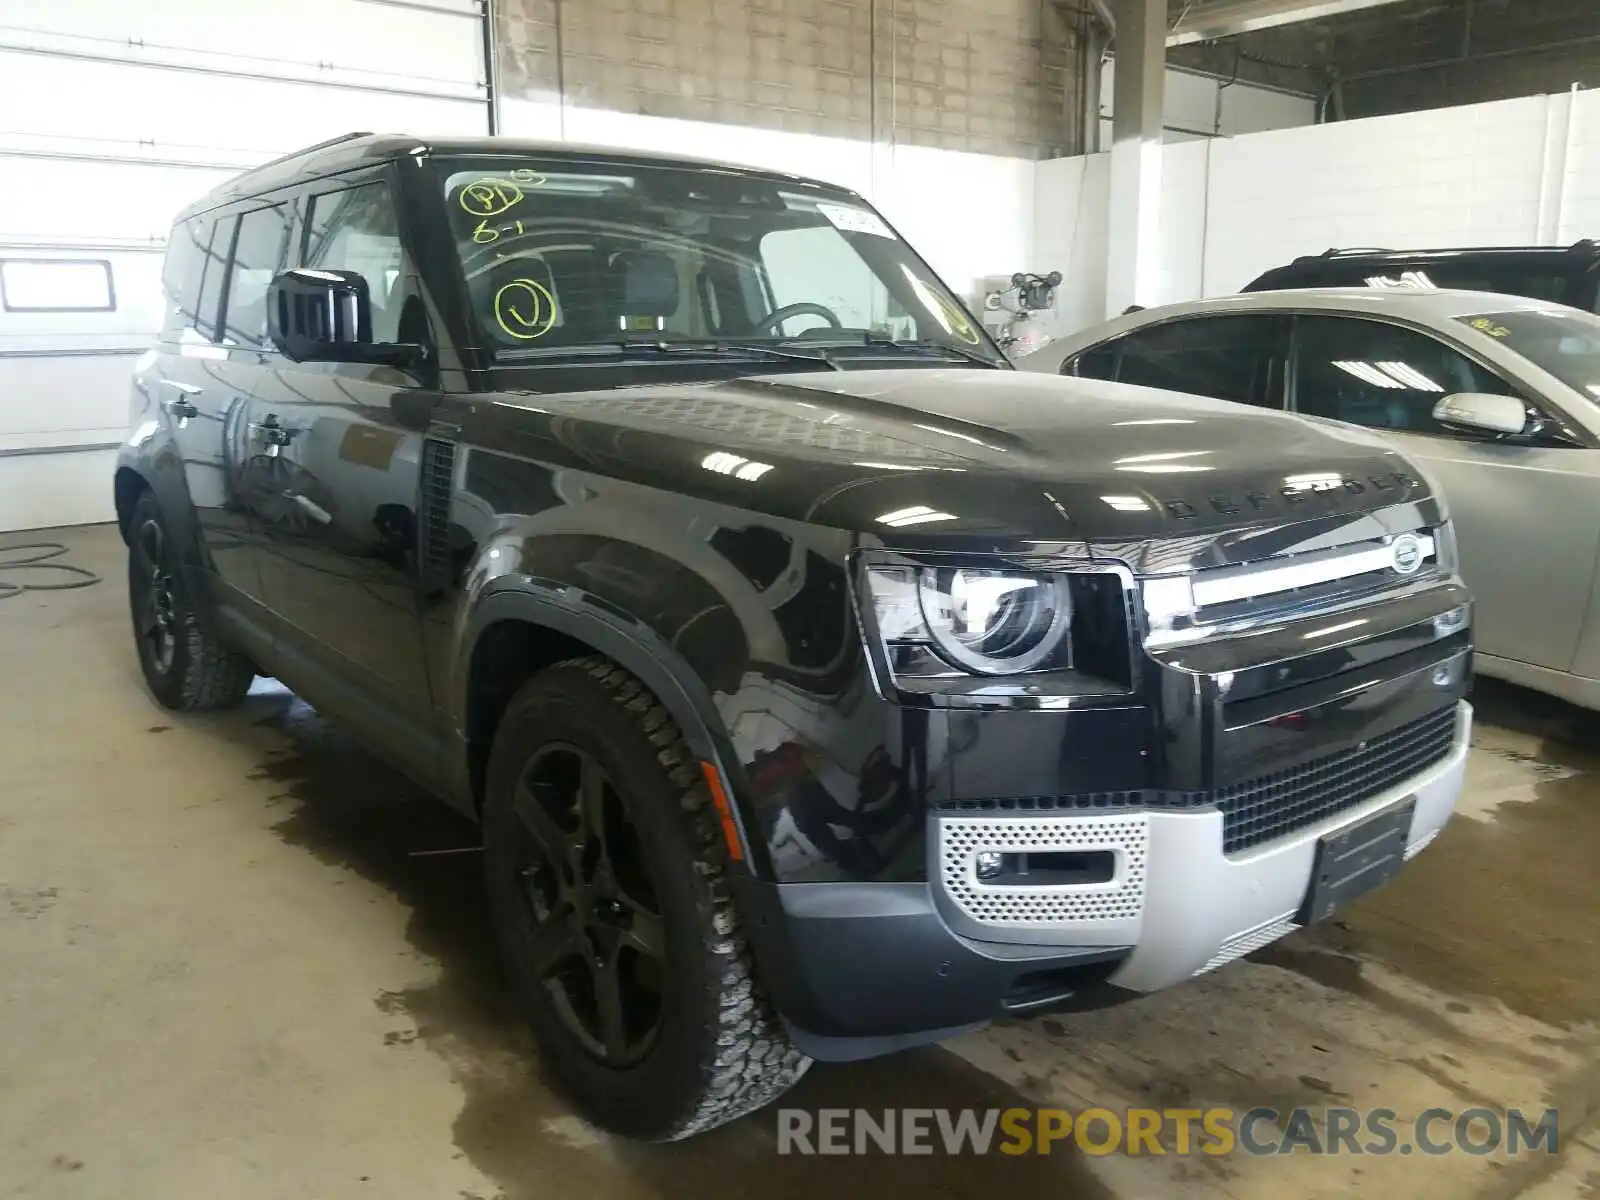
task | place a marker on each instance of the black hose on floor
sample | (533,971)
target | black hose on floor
(38,556)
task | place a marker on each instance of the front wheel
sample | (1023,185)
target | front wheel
(607,885)
(186,663)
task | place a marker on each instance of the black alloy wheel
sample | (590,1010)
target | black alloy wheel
(594,934)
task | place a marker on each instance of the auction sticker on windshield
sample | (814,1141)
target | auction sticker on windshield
(855,220)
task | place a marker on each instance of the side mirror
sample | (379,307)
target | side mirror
(1482,412)
(326,316)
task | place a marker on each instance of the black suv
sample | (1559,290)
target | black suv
(823,686)
(1568,275)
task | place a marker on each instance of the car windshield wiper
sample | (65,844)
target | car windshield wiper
(666,346)
(926,345)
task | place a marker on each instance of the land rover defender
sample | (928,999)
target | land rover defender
(823,686)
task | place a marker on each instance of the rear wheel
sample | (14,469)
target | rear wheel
(186,663)
(607,883)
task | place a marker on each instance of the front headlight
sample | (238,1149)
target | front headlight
(965,626)
(994,622)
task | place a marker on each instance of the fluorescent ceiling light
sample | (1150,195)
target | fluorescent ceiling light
(965,437)
(731,464)
(1139,458)
(1410,376)
(919,514)
(1368,373)
(1127,503)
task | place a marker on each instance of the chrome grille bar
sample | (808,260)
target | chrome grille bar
(1255,580)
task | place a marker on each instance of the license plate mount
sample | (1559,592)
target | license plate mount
(1357,859)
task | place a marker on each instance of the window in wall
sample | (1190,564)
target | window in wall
(56,285)
(355,230)
(1382,376)
(259,253)
(1226,358)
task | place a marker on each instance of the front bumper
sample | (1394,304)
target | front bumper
(868,968)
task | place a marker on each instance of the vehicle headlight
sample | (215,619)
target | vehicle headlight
(994,622)
(967,626)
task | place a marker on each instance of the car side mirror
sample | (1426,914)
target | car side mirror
(1482,412)
(326,316)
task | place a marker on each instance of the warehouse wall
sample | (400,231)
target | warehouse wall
(1524,171)
(1198,105)
(115,118)
(936,110)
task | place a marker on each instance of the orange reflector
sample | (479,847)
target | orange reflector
(719,797)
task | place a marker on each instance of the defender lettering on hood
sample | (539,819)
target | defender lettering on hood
(1329,493)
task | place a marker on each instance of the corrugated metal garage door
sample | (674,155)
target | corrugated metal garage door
(112,117)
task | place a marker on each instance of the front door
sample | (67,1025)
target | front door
(1523,512)
(341,448)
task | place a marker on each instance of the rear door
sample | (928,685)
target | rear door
(1236,357)
(204,409)
(1524,508)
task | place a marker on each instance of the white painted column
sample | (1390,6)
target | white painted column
(1133,240)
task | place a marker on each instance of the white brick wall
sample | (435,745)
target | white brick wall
(1449,177)
(1505,173)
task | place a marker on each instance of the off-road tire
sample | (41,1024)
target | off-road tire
(205,672)
(721,1050)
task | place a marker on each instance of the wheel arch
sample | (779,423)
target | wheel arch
(520,626)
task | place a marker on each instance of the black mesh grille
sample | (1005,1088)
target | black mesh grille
(1084,801)
(1270,806)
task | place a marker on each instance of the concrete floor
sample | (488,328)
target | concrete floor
(228,968)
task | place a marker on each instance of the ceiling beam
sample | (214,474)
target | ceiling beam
(1204,22)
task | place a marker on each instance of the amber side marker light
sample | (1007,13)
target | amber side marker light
(719,797)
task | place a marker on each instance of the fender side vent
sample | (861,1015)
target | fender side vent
(438,481)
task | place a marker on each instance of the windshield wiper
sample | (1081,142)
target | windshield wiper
(663,346)
(922,344)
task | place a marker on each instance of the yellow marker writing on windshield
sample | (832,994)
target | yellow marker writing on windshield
(959,325)
(525,309)
(528,176)
(490,197)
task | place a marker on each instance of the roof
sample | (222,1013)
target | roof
(353,150)
(1418,303)
(1424,307)
(1387,254)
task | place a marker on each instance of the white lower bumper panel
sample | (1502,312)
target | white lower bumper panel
(1203,908)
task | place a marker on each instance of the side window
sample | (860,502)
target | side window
(259,253)
(1098,363)
(356,230)
(814,264)
(181,273)
(213,272)
(1226,358)
(1382,376)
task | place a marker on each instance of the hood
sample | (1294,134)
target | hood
(975,458)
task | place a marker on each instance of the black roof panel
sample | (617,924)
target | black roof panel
(353,150)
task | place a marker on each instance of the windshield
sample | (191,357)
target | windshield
(1565,342)
(571,256)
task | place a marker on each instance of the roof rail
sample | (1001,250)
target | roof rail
(1334,251)
(304,150)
